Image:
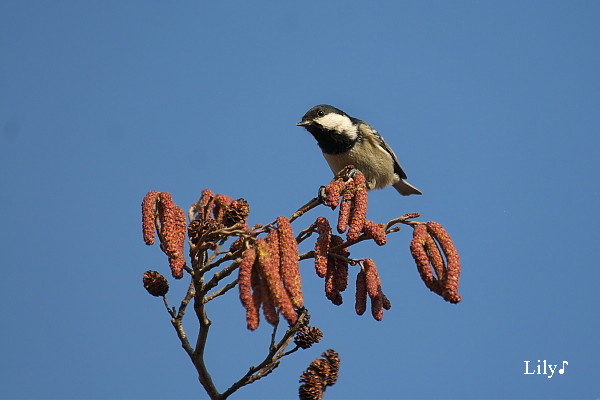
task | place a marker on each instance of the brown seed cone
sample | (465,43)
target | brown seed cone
(333,191)
(375,231)
(289,268)
(417,249)
(148,214)
(270,274)
(346,206)
(322,246)
(333,359)
(156,284)
(450,284)
(306,319)
(204,231)
(236,213)
(245,288)
(359,209)
(331,291)
(361,293)
(314,380)
(307,336)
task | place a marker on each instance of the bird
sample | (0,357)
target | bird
(345,140)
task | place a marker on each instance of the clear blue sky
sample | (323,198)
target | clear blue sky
(492,107)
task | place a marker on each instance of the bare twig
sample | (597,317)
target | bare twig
(177,320)
(306,233)
(186,300)
(224,273)
(170,310)
(305,208)
(271,361)
(198,353)
(221,291)
(403,220)
(300,212)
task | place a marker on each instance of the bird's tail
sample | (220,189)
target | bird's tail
(405,188)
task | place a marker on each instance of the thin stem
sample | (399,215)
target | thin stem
(221,291)
(314,202)
(271,361)
(224,273)
(170,310)
(177,319)
(198,353)
(186,300)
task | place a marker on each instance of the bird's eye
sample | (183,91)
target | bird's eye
(320,113)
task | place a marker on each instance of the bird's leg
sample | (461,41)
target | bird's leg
(347,172)
(321,196)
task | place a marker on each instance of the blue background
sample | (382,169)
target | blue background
(492,108)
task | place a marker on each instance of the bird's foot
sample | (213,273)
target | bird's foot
(321,195)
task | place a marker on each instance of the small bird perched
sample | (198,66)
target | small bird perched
(349,141)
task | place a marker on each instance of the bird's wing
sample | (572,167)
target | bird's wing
(397,167)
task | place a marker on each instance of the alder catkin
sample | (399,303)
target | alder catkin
(345,207)
(419,254)
(451,281)
(375,231)
(288,255)
(361,293)
(359,209)
(322,246)
(148,212)
(245,288)
(270,273)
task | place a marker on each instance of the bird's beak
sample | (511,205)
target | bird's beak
(303,123)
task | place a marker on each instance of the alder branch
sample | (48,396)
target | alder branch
(271,361)
(312,203)
(198,354)
(220,218)
(221,291)
(224,273)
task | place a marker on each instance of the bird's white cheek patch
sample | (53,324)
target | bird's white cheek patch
(339,123)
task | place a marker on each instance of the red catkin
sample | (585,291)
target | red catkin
(375,231)
(148,214)
(270,273)
(361,293)
(345,207)
(359,209)
(245,288)
(289,268)
(322,246)
(451,281)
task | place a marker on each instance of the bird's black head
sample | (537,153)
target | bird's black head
(317,112)
(335,131)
